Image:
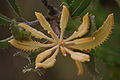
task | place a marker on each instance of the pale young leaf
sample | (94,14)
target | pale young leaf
(81,57)
(100,35)
(25,45)
(83,28)
(43,22)
(44,54)
(49,62)
(34,32)
(81,40)
(64,20)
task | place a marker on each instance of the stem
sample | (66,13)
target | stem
(7,39)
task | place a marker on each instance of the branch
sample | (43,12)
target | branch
(7,39)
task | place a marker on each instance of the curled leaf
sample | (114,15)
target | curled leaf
(48,62)
(100,35)
(44,54)
(82,30)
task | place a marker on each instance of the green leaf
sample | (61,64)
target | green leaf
(73,24)
(92,69)
(69,2)
(114,72)
(19,33)
(76,7)
(4,19)
(108,54)
(14,5)
(4,44)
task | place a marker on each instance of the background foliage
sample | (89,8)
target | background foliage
(105,59)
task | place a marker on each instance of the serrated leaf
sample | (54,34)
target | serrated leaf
(26,45)
(4,19)
(14,5)
(4,44)
(34,32)
(100,35)
(76,7)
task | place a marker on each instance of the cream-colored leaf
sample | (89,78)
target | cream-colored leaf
(100,35)
(44,54)
(64,20)
(43,22)
(77,56)
(27,45)
(46,25)
(79,67)
(48,62)
(80,56)
(81,40)
(34,32)
(83,28)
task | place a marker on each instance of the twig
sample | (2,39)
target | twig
(32,23)
(7,39)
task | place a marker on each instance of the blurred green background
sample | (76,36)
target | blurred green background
(107,56)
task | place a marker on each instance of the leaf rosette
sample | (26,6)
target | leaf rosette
(76,41)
